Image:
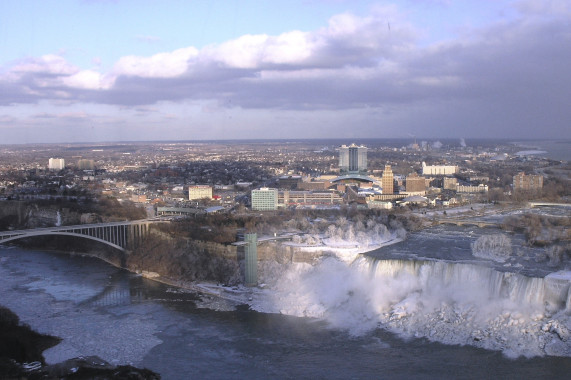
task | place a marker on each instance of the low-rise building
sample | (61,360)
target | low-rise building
(85,164)
(199,192)
(139,198)
(289,181)
(308,198)
(439,169)
(380,205)
(530,182)
(471,188)
(314,185)
(265,199)
(479,179)
(450,183)
(415,184)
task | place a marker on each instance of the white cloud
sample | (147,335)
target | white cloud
(162,65)
(287,48)
(48,64)
(88,80)
(244,52)
(347,40)
(257,51)
(344,24)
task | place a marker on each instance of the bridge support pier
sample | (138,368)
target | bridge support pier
(251,259)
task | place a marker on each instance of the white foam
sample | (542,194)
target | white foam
(452,303)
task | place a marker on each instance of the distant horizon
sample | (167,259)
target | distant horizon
(337,139)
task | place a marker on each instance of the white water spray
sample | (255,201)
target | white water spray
(454,303)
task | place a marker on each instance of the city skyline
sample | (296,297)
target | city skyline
(94,71)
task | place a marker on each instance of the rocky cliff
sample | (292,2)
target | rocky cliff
(21,215)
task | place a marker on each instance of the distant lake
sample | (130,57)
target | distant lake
(556,149)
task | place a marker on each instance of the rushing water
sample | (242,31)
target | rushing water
(100,310)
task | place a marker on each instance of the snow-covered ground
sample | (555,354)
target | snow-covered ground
(347,250)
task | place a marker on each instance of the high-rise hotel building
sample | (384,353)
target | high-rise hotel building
(352,159)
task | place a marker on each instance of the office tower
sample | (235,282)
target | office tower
(387,180)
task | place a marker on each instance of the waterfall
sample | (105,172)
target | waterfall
(470,280)
(449,302)
(58,219)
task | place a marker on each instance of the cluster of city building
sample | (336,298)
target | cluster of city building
(355,185)
(188,178)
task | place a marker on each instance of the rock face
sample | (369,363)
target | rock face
(193,260)
(18,215)
(12,214)
(21,357)
(185,259)
(19,342)
(92,367)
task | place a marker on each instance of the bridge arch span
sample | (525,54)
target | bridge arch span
(46,233)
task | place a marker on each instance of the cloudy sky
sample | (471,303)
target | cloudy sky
(105,70)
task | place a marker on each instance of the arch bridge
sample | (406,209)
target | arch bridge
(119,235)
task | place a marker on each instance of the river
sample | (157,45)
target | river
(100,310)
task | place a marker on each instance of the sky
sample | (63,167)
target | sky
(142,70)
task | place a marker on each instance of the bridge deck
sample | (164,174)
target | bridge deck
(119,235)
